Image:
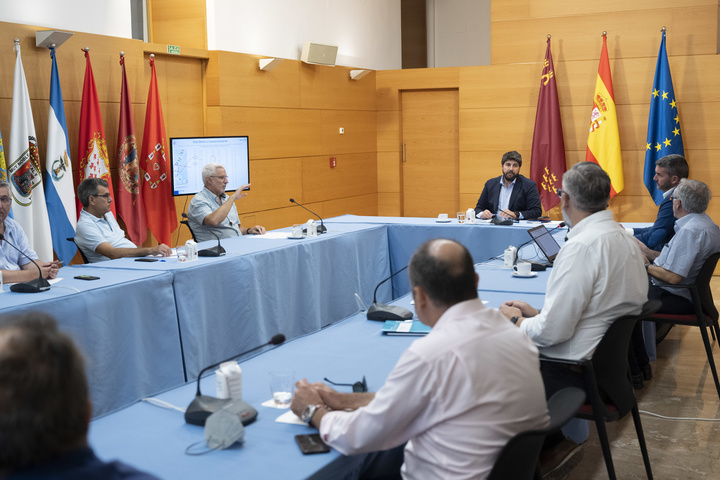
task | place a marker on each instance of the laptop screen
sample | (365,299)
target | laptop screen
(545,241)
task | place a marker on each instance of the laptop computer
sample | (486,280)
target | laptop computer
(547,244)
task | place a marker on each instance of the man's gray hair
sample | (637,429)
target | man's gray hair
(587,184)
(693,194)
(209,170)
(4,184)
(675,165)
(88,188)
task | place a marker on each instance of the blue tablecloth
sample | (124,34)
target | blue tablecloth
(154,439)
(125,323)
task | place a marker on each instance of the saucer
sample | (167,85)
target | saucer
(290,237)
(532,274)
(447,220)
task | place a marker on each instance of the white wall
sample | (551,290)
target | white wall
(367,32)
(458,33)
(103,17)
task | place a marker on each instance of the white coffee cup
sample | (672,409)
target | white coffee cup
(443,216)
(523,269)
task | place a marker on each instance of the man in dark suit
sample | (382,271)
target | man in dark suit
(669,170)
(510,195)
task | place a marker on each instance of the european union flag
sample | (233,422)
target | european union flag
(663,134)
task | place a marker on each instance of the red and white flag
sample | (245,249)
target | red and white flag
(156,188)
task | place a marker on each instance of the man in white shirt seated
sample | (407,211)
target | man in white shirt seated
(97,232)
(14,266)
(456,396)
(212,211)
(597,277)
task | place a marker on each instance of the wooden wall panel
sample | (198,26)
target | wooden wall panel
(355,174)
(634,33)
(275,132)
(273,183)
(179,80)
(389,204)
(496,129)
(178,22)
(235,79)
(331,88)
(389,166)
(388,131)
(358,205)
(391,82)
(360,131)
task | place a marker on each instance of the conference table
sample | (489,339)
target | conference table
(155,439)
(129,354)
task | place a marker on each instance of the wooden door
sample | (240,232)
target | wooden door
(430,183)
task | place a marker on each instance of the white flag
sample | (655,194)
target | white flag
(24,172)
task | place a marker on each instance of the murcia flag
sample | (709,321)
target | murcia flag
(156,189)
(603,145)
(92,149)
(663,132)
(129,202)
(24,173)
(59,189)
(547,163)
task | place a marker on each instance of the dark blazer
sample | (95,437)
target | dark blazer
(524,198)
(660,233)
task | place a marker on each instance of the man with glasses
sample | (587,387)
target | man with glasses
(97,232)
(212,211)
(597,277)
(455,397)
(15,266)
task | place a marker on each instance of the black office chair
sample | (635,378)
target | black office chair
(705,311)
(518,460)
(608,384)
(185,221)
(82,254)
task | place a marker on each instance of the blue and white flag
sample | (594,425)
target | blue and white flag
(24,172)
(663,133)
(59,188)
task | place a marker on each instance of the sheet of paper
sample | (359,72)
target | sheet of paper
(290,417)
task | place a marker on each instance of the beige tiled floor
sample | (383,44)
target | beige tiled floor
(682,387)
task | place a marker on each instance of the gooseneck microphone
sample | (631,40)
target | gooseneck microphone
(216,251)
(33,286)
(321,228)
(203,406)
(381,312)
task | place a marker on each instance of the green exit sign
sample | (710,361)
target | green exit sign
(173,49)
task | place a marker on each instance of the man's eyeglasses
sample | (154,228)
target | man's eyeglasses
(560,192)
(105,195)
(5,199)
(358,387)
(221,177)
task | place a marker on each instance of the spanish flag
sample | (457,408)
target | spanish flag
(603,146)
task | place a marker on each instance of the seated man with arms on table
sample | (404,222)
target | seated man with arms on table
(597,277)
(679,263)
(456,396)
(14,266)
(97,232)
(510,195)
(213,211)
(669,170)
(45,406)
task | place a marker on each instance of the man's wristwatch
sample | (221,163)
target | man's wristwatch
(307,414)
(515,320)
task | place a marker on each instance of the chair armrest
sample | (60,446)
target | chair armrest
(564,361)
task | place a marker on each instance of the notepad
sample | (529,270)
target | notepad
(406,327)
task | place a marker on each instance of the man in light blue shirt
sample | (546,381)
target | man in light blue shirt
(212,213)
(14,266)
(98,234)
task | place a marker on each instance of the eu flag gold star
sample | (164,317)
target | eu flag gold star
(656,93)
(672,104)
(664,95)
(676,131)
(677,119)
(667,142)
(658,147)
(648,147)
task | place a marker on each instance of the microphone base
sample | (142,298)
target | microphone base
(203,406)
(33,286)
(501,221)
(381,312)
(320,229)
(217,251)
